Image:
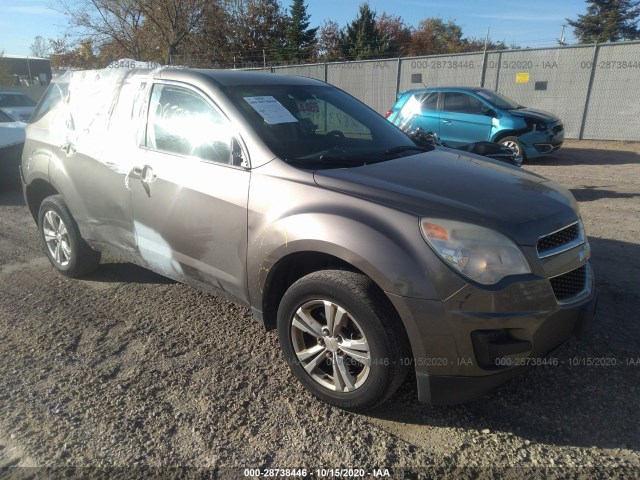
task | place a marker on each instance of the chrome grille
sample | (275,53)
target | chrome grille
(569,284)
(560,240)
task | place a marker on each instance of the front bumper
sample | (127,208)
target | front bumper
(453,389)
(537,144)
(478,339)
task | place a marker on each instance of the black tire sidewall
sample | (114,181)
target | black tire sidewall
(376,384)
(56,204)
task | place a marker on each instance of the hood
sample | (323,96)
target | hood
(539,115)
(447,184)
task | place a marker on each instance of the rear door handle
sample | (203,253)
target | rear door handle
(446,122)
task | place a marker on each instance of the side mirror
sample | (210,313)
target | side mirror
(237,157)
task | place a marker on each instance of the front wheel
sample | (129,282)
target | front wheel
(514,144)
(341,339)
(65,247)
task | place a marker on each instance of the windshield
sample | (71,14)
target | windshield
(498,100)
(15,100)
(319,126)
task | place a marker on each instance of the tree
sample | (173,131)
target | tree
(172,21)
(433,36)
(39,47)
(328,44)
(300,40)
(396,34)
(73,55)
(474,44)
(213,43)
(362,39)
(143,29)
(608,21)
(257,30)
(105,21)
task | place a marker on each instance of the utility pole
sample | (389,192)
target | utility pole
(560,40)
(264,59)
(484,58)
(486,39)
(29,69)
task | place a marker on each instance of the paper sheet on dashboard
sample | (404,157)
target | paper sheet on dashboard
(270,109)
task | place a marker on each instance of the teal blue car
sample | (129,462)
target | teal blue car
(463,115)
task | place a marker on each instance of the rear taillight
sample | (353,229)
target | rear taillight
(388,114)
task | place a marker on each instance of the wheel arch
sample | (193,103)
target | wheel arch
(293,267)
(36,192)
(505,133)
(287,271)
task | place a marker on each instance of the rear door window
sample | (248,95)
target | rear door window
(428,101)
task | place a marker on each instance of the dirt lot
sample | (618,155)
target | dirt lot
(129,369)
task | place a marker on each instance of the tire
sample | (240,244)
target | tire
(513,143)
(367,329)
(67,251)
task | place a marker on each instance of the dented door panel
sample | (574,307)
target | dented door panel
(190,220)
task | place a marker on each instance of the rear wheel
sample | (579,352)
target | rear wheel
(341,340)
(514,144)
(65,247)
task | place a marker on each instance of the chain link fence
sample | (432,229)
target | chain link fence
(594,89)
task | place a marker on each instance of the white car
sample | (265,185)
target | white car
(12,136)
(17,105)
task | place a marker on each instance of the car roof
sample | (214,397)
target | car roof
(450,89)
(234,77)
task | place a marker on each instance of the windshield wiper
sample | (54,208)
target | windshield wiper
(329,161)
(405,148)
(345,160)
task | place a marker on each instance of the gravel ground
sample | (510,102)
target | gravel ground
(126,369)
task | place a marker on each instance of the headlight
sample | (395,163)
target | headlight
(478,253)
(536,125)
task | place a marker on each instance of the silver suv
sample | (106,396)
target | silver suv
(371,256)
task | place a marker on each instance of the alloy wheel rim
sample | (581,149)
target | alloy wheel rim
(330,346)
(56,237)
(513,146)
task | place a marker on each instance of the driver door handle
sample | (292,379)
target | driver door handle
(144,173)
(446,122)
(147,175)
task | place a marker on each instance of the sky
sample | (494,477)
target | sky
(527,23)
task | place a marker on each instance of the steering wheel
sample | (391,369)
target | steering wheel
(334,133)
